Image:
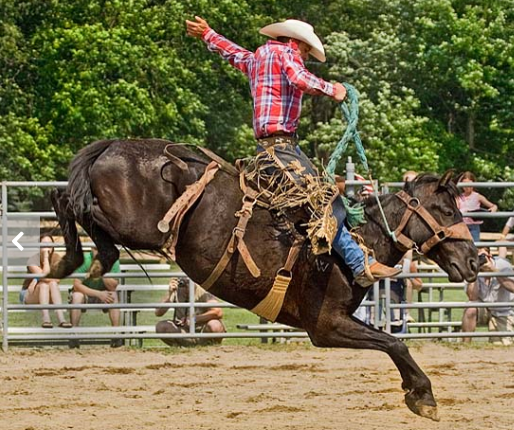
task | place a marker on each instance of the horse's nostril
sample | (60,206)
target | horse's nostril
(473,264)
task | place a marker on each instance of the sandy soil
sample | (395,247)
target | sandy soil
(229,387)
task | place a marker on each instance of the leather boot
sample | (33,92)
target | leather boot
(375,272)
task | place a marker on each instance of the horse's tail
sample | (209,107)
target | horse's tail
(79,182)
(70,206)
(74,256)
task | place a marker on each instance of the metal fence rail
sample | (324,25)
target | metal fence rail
(429,272)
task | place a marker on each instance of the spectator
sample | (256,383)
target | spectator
(208,320)
(409,176)
(507,228)
(471,201)
(40,290)
(401,292)
(409,266)
(491,290)
(95,291)
(365,190)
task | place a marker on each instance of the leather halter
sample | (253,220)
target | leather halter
(456,231)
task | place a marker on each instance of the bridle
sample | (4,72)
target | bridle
(458,230)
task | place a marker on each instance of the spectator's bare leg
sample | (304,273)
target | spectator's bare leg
(114,314)
(469,322)
(472,291)
(56,299)
(408,299)
(168,327)
(469,318)
(214,326)
(44,299)
(76,299)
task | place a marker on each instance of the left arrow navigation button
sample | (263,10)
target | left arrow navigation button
(15,241)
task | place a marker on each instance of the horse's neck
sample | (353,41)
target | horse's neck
(374,231)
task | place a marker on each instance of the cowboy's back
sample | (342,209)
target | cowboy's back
(278,78)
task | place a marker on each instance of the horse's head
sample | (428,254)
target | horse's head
(433,222)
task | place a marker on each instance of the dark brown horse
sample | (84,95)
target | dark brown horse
(119,190)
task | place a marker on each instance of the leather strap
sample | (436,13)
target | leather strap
(236,242)
(456,231)
(293,254)
(182,165)
(224,165)
(188,197)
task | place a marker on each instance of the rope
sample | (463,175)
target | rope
(351,114)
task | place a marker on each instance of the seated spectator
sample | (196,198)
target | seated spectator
(40,290)
(95,291)
(491,289)
(471,201)
(208,320)
(409,176)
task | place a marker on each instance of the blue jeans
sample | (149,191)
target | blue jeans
(349,251)
(474,229)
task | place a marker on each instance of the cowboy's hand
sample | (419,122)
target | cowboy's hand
(196,29)
(340,92)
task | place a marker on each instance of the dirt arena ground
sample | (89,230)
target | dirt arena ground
(235,387)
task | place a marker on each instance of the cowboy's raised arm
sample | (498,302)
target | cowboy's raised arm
(301,78)
(230,51)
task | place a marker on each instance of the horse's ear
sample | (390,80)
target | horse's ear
(446,178)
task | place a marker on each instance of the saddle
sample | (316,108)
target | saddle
(271,305)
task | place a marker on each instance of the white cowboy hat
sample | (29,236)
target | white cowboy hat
(297,30)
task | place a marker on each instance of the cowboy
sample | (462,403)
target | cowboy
(278,79)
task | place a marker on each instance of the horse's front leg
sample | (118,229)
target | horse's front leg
(343,331)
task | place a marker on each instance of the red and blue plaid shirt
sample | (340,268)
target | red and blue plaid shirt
(278,79)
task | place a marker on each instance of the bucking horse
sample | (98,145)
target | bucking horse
(119,191)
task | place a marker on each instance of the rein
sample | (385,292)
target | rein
(351,114)
(413,206)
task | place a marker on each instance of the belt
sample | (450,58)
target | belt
(278,138)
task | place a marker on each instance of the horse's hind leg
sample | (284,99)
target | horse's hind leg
(107,251)
(73,257)
(347,332)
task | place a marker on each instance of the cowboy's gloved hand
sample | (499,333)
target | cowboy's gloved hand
(196,29)
(340,92)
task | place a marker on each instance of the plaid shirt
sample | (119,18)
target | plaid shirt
(278,79)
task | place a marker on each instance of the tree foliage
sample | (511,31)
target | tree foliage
(434,77)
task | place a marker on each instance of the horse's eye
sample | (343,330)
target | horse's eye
(449,213)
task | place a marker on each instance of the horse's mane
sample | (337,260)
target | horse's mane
(430,179)
(426,181)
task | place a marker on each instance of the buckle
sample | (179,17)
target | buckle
(414,202)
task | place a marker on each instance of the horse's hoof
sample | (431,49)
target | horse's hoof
(425,406)
(428,412)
